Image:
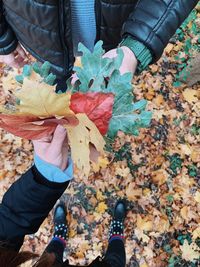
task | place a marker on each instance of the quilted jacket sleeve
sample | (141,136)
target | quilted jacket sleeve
(154,22)
(8,41)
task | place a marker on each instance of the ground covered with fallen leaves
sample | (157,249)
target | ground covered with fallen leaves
(157,172)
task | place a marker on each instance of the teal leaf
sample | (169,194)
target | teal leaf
(36,67)
(45,69)
(140,105)
(121,87)
(95,69)
(129,123)
(19,78)
(50,79)
(177,84)
(18,101)
(27,71)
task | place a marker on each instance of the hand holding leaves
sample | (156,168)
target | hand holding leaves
(53,148)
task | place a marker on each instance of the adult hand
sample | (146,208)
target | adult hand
(16,59)
(54,148)
(129,63)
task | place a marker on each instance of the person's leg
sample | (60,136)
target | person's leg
(58,243)
(116,255)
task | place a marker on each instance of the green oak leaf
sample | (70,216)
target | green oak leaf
(129,123)
(127,116)
(45,69)
(95,68)
(50,79)
(121,87)
(27,71)
(36,67)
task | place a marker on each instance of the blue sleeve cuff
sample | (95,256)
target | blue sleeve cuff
(53,173)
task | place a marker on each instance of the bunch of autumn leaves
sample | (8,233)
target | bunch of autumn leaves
(86,109)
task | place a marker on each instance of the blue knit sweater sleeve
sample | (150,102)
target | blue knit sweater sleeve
(83,23)
(52,173)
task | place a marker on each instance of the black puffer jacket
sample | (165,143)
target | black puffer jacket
(44,26)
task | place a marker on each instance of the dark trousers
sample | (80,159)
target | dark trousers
(115,255)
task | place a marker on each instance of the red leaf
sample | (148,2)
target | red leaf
(31,127)
(97,106)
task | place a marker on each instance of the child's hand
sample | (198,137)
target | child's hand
(54,149)
(129,63)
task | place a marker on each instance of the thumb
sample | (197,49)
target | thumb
(58,139)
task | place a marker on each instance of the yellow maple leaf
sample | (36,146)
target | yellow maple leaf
(169,48)
(122,171)
(102,163)
(40,99)
(184,213)
(190,252)
(144,265)
(185,149)
(190,95)
(141,236)
(101,208)
(147,253)
(100,196)
(197,196)
(145,224)
(159,177)
(80,137)
(195,156)
(196,233)
(132,193)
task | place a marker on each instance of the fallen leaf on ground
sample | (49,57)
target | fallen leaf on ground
(190,252)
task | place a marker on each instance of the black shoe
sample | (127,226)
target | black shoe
(60,222)
(120,210)
(117,224)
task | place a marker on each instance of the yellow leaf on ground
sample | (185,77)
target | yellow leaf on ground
(40,99)
(102,163)
(2,174)
(190,252)
(100,196)
(147,253)
(122,171)
(184,213)
(197,197)
(190,95)
(141,236)
(144,224)
(159,100)
(196,233)
(80,137)
(195,156)
(185,149)
(169,48)
(159,177)
(101,208)
(144,265)
(132,193)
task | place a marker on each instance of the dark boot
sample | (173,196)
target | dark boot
(60,222)
(117,224)
(58,243)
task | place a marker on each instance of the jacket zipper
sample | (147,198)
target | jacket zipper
(62,34)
